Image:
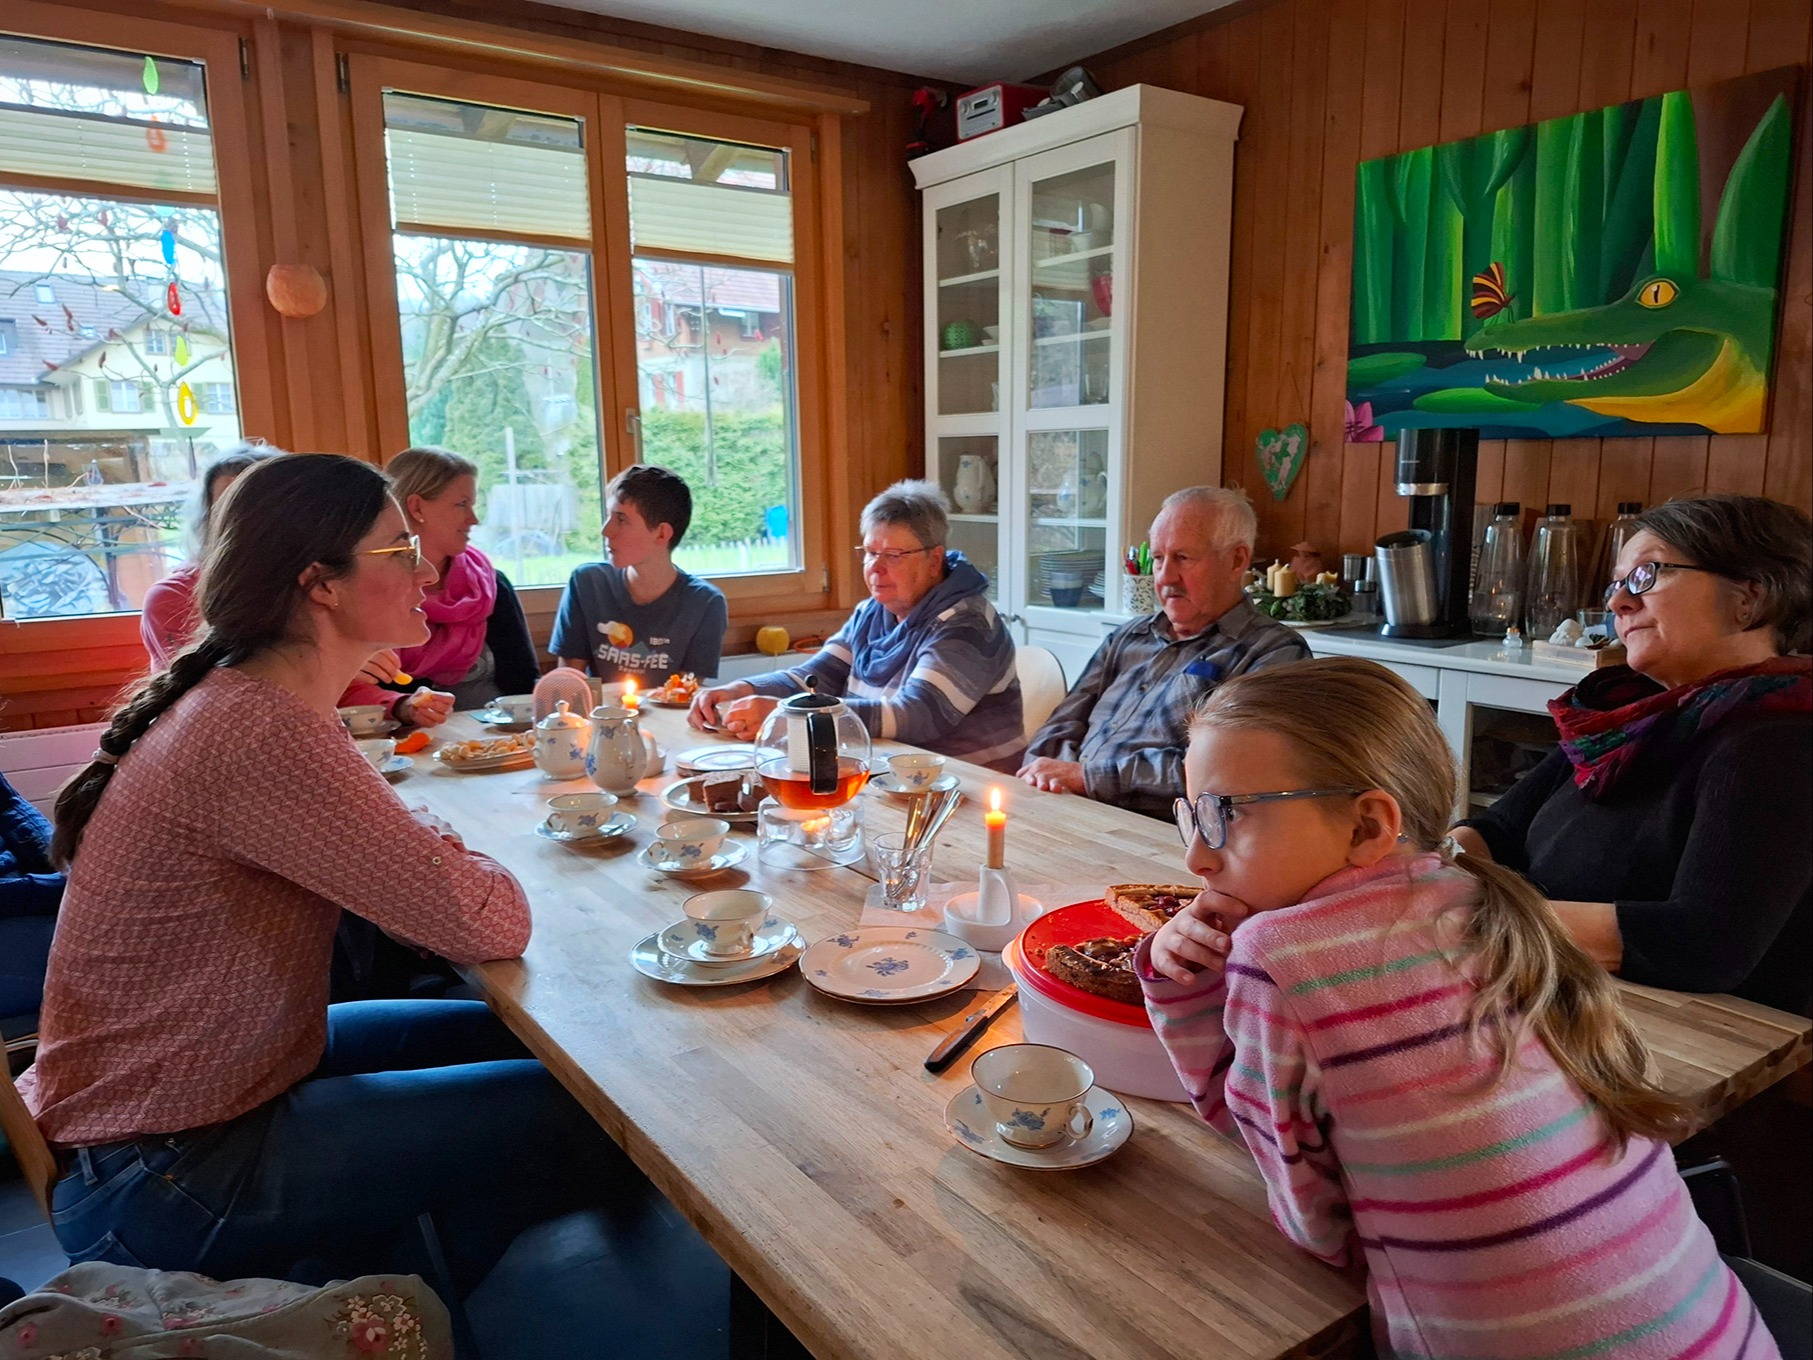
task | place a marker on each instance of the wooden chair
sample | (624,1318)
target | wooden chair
(36,1160)
(1042,685)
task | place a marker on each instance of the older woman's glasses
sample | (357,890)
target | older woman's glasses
(1210,814)
(413,548)
(1645,574)
(892,559)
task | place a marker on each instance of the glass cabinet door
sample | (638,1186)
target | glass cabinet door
(969,469)
(1066,518)
(1070,247)
(967,317)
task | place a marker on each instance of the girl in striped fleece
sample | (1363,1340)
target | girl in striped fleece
(1424,1066)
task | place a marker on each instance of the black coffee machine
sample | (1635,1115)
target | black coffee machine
(1437,469)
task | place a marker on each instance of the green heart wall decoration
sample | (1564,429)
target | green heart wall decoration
(1281,454)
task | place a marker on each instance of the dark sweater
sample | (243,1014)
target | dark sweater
(507,635)
(1709,859)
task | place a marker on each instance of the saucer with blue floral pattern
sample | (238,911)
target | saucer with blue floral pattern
(690,940)
(876,965)
(968,1118)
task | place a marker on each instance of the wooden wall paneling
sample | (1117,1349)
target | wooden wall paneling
(1244,49)
(1781,30)
(1382,134)
(1266,271)
(1324,468)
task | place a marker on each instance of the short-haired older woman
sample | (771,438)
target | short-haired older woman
(171,614)
(478,643)
(1671,826)
(924,660)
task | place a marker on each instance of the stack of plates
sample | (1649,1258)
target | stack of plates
(1083,562)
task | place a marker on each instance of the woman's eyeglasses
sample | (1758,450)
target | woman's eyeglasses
(1210,814)
(892,559)
(413,548)
(1644,576)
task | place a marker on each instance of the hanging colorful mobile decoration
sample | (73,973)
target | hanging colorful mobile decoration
(186,407)
(174,302)
(150,75)
(155,137)
(181,352)
(166,240)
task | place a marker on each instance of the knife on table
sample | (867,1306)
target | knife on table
(965,1034)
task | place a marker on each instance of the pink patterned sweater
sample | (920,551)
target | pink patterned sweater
(188,976)
(1495,1222)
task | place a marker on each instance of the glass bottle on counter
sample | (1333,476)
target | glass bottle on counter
(1605,562)
(1554,580)
(1497,601)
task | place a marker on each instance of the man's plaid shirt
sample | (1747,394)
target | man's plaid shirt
(1127,718)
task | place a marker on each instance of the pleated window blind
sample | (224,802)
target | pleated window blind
(702,197)
(457,168)
(85,114)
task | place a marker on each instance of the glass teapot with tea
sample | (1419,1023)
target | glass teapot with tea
(812,752)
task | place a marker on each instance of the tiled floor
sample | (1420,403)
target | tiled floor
(642,1284)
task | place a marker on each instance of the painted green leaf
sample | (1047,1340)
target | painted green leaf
(1551,278)
(1467,401)
(1630,202)
(1370,369)
(1747,237)
(1372,217)
(1412,186)
(1678,188)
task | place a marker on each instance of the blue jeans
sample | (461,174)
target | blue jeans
(417,1106)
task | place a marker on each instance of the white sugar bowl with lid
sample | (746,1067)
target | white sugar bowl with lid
(560,742)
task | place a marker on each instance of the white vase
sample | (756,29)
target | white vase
(974,490)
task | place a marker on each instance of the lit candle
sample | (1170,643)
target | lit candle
(631,700)
(996,822)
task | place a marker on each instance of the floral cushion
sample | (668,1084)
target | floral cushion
(97,1311)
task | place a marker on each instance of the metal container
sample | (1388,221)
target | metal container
(1407,588)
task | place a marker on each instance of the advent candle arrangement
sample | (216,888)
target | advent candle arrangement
(995,821)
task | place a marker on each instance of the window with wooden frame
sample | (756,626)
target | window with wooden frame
(115,240)
(577,282)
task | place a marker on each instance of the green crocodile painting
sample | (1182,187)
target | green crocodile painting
(1596,304)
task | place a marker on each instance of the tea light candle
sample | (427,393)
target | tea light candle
(631,700)
(995,821)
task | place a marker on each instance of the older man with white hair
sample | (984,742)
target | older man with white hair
(1119,735)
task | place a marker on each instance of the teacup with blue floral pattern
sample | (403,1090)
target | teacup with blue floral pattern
(1034,1093)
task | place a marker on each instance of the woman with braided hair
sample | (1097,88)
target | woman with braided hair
(212,1111)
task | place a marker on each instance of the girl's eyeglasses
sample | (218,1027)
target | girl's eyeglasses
(413,548)
(1210,814)
(1644,575)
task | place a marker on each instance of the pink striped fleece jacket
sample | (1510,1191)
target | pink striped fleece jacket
(1495,1219)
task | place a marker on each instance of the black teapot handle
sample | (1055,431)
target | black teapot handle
(821,746)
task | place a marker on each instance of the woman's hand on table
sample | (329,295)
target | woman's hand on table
(708,704)
(744,717)
(1197,937)
(425,708)
(440,827)
(382,668)
(1594,927)
(1054,776)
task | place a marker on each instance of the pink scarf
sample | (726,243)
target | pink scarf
(457,618)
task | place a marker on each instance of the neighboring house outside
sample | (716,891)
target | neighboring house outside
(688,335)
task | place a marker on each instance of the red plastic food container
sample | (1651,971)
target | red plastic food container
(1113,1037)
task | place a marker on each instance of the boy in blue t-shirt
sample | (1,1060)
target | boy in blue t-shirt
(639,616)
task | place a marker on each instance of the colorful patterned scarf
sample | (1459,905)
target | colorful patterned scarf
(1615,715)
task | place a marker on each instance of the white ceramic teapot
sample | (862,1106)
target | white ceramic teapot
(560,742)
(617,756)
(974,490)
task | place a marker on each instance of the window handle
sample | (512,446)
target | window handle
(632,426)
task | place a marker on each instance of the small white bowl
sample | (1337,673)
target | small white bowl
(376,750)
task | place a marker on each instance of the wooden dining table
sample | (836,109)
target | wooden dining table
(805,1140)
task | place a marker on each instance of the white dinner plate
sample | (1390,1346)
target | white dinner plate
(738,755)
(679,797)
(687,940)
(889,963)
(968,1118)
(490,717)
(733,854)
(647,959)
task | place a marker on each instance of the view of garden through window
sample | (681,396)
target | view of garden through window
(495,287)
(116,368)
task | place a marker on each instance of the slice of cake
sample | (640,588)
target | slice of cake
(1149,905)
(722,792)
(1101,967)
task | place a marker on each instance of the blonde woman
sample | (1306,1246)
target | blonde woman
(1430,1075)
(478,640)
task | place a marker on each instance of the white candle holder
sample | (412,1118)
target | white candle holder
(992,915)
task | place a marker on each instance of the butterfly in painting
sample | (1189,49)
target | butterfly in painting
(1490,296)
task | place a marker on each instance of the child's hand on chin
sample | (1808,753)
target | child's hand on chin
(1197,937)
